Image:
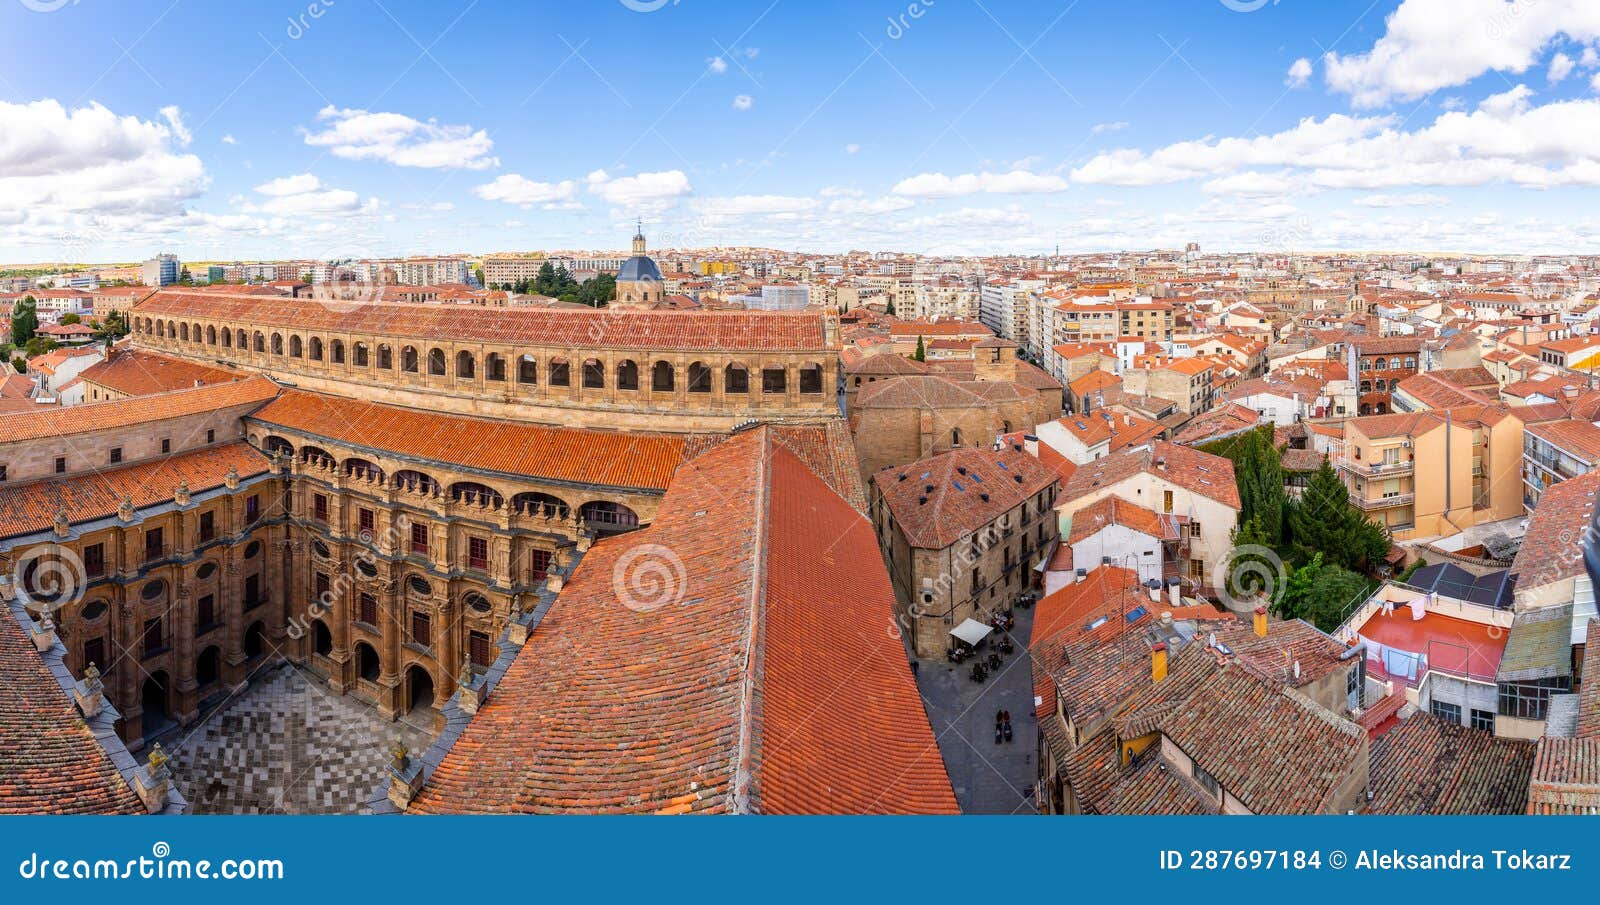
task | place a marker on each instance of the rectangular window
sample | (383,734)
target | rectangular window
(368,609)
(94,560)
(1197,569)
(319,507)
(540,560)
(205,614)
(61,464)
(116,455)
(252,591)
(478,648)
(211,436)
(419,538)
(166,445)
(154,544)
(477,553)
(1194,529)
(322,585)
(152,636)
(1450,713)
(1166,501)
(252,508)
(208,526)
(365,517)
(1483,719)
(421,629)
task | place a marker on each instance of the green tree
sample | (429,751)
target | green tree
(1258,471)
(544,282)
(922,352)
(889,308)
(69,319)
(24,320)
(1326,522)
(20,364)
(1251,566)
(111,329)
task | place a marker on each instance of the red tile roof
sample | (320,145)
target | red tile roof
(1202,473)
(125,413)
(624,460)
(50,761)
(1428,766)
(137,372)
(766,683)
(617,329)
(30,507)
(970,488)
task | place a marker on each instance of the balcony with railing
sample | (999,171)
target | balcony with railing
(1391,501)
(1378,469)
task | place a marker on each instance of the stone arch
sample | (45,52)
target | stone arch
(494,367)
(627,374)
(408,360)
(260,343)
(255,640)
(663,378)
(466,365)
(535,503)
(358,355)
(436,362)
(316,454)
(527,370)
(774,380)
(315,351)
(368,664)
(277,344)
(183,332)
(411,479)
(336,352)
(699,377)
(594,374)
(560,374)
(608,516)
(735,378)
(474,493)
(321,638)
(211,335)
(208,666)
(419,687)
(275,443)
(361,468)
(811,377)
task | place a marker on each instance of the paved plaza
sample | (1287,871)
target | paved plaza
(989,778)
(287,745)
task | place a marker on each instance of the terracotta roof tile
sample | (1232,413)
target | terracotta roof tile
(125,413)
(970,489)
(137,372)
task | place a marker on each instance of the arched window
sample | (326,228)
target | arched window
(241,339)
(607,516)
(183,332)
(540,504)
(385,357)
(316,455)
(494,367)
(227,338)
(527,370)
(277,344)
(476,494)
(196,333)
(627,375)
(811,378)
(321,638)
(277,444)
(211,335)
(436,362)
(594,375)
(208,666)
(466,366)
(361,468)
(408,360)
(661,377)
(699,378)
(297,347)
(260,346)
(736,379)
(255,640)
(316,349)
(336,352)
(358,355)
(774,379)
(560,373)
(409,479)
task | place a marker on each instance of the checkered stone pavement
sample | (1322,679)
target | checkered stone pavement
(287,745)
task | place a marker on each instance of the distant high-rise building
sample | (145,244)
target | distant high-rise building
(161,270)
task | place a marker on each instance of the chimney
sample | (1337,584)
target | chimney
(1261,621)
(1174,593)
(1158,662)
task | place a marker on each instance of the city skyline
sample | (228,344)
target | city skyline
(357,130)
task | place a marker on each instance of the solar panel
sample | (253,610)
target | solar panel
(957,485)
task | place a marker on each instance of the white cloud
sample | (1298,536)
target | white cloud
(174,118)
(1589,59)
(1299,73)
(1432,44)
(1505,140)
(869,206)
(1415,199)
(1252,183)
(402,141)
(1560,67)
(229,140)
(852,148)
(743,102)
(646,191)
(1099,128)
(289,185)
(516,189)
(303,195)
(938,185)
(838,191)
(717,65)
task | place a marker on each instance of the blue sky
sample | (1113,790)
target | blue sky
(353,127)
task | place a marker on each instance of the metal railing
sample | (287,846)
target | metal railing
(1384,502)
